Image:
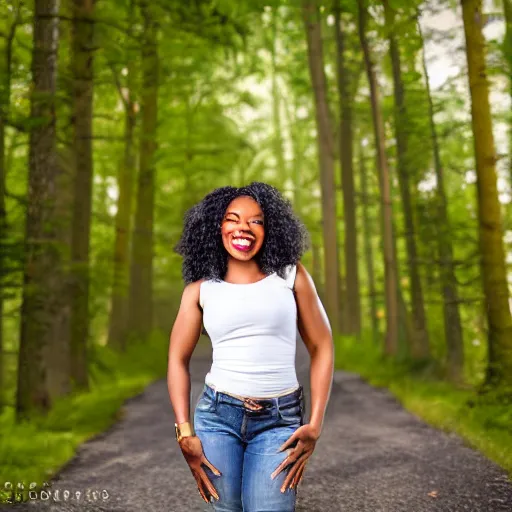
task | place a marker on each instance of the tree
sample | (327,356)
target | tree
(353,300)
(420,342)
(368,249)
(118,319)
(276,103)
(7,44)
(390,268)
(507,47)
(141,276)
(452,322)
(82,75)
(326,158)
(42,276)
(490,234)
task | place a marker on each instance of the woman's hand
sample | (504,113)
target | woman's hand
(306,437)
(192,450)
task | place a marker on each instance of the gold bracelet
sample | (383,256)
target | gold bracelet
(183,430)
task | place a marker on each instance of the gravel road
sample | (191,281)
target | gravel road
(372,457)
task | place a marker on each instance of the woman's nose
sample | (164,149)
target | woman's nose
(241,231)
(244,225)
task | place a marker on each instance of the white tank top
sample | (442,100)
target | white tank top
(253,330)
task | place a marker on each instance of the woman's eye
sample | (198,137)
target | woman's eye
(260,222)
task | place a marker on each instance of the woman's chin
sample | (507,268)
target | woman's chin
(242,256)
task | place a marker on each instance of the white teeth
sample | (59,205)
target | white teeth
(242,241)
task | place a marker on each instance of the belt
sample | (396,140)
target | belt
(251,402)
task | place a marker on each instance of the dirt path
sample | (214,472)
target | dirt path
(372,457)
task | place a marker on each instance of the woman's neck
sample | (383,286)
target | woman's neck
(243,271)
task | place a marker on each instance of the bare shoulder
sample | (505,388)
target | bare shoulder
(302,279)
(191,291)
(301,268)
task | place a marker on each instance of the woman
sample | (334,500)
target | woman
(249,445)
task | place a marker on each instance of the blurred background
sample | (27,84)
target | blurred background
(386,123)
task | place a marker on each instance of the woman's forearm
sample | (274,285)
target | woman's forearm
(321,374)
(178,384)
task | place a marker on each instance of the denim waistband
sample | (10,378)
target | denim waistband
(219,396)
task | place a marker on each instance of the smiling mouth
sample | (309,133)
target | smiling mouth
(242,244)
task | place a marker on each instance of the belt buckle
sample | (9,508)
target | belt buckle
(252,405)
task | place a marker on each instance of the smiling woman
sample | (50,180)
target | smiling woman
(243,226)
(241,253)
(229,211)
(243,233)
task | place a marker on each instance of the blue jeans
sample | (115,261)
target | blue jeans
(243,445)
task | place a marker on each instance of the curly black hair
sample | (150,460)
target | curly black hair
(204,255)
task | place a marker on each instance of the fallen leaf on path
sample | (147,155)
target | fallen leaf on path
(433,494)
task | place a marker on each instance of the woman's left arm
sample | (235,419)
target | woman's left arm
(317,336)
(316,333)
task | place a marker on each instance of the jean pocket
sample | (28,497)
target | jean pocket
(292,412)
(205,403)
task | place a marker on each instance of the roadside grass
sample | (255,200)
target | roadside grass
(482,421)
(35,451)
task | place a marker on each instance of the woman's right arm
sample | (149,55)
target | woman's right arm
(184,336)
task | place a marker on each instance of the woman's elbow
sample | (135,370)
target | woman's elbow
(322,348)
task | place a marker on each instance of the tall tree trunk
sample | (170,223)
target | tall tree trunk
(3,229)
(452,323)
(419,343)
(405,323)
(82,68)
(507,46)
(353,299)
(490,230)
(342,287)
(390,269)
(5,101)
(141,276)
(120,286)
(276,103)
(316,265)
(59,364)
(297,151)
(42,276)
(326,159)
(368,250)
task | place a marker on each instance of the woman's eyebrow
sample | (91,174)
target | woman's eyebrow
(234,213)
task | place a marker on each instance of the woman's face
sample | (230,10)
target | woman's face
(243,229)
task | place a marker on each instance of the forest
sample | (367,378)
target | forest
(386,123)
